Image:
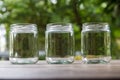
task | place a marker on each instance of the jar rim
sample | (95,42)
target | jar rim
(21,24)
(95,23)
(58,23)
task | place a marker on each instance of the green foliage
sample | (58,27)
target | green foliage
(42,12)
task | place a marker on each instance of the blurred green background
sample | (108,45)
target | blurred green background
(77,12)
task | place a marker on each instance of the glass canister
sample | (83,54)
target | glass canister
(96,43)
(59,43)
(23,43)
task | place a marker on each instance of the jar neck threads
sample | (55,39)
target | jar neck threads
(23,28)
(59,27)
(95,26)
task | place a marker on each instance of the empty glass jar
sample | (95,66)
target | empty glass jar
(96,43)
(59,43)
(23,43)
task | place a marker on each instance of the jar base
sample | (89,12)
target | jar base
(56,60)
(23,60)
(103,60)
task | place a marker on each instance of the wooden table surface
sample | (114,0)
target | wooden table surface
(44,71)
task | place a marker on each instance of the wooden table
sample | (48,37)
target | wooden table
(44,71)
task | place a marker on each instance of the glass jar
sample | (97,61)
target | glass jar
(23,43)
(59,43)
(96,43)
